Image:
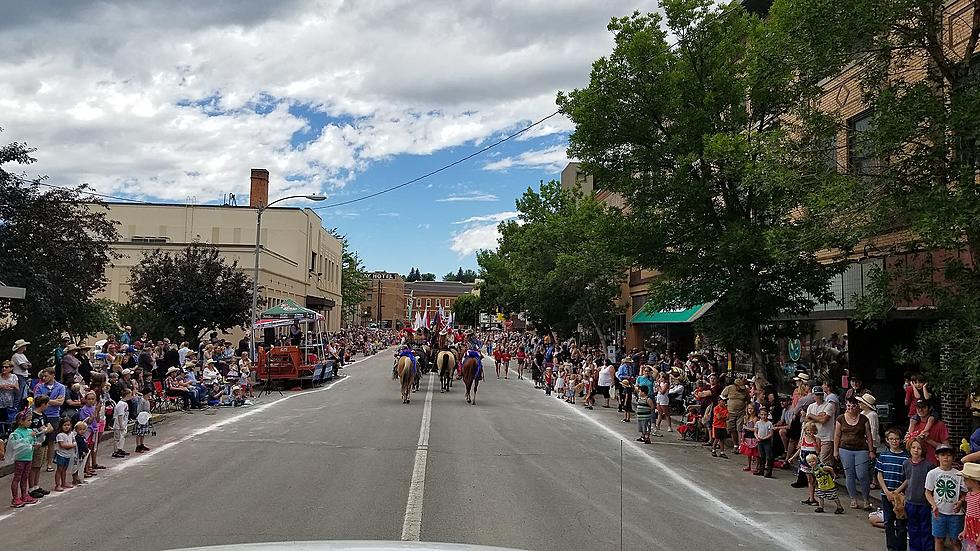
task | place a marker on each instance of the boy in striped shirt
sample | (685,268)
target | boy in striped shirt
(888,471)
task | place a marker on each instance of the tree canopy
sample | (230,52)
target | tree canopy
(55,242)
(355,281)
(722,196)
(463,276)
(194,289)
(466,308)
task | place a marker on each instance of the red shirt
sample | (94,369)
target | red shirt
(720,418)
(910,400)
(505,356)
(521,355)
(938,433)
(496,355)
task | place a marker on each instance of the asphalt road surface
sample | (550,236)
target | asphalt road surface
(350,461)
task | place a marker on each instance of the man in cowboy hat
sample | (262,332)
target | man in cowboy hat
(22,366)
(69,364)
(738,396)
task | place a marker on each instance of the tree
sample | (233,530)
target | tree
(695,137)
(560,259)
(56,243)
(427,276)
(467,276)
(497,291)
(413,275)
(466,308)
(355,281)
(922,88)
(194,289)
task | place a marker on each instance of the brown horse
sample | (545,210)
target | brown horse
(404,368)
(472,371)
(446,363)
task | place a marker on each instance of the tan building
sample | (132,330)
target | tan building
(385,301)
(300,260)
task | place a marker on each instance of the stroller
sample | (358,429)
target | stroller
(693,429)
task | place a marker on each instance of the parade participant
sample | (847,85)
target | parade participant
(403,351)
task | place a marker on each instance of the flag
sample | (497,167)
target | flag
(418,321)
(425,318)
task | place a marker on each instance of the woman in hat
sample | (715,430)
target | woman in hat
(22,366)
(9,397)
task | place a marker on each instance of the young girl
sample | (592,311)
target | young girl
(121,414)
(749,446)
(971,528)
(644,413)
(20,445)
(826,487)
(91,414)
(521,358)
(627,400)
(719,428)
(64,449)
(663,403)
(560,383)
(809,445)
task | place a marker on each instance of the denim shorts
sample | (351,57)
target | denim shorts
(947,526)
(61,460)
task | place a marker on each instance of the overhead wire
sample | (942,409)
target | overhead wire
(24,181)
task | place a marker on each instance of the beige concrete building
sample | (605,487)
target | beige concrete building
(300,259)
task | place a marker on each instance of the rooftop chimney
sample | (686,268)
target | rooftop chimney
(259,194)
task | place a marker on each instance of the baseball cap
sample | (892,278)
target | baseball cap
(944,448)
(817,390)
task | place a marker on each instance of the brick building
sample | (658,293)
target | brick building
(384,305)
(422,296)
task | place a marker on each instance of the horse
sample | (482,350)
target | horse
(446,362)
(405,375)
(471,372)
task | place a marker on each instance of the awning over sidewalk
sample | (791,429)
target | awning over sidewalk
(672,316)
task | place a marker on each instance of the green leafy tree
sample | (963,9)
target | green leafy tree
(466,308)
(497,291)
(427,276)
(355,281)
(922,89)
(194,290)
(696,137)
(413,275)
(56,243)
(463,276)
(560,259)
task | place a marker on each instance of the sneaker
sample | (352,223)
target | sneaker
(797,484)
(36,494)
(29,500)
(124,452)
(17,504)
(43,491)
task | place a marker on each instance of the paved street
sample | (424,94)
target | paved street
(518,470)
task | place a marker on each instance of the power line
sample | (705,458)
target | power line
(440,169)
(62,188)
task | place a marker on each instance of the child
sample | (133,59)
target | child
(64,449)
(749,446)
(944,489)
(809,445)
(41,428)
(81,451)
(763,433)
(121,419)
(888,471)
(914,418)
(560,384)
(719,426)
(826,487)
(627,400)
(971,528)
(547,382)
(915,469)
(140,430)
(20,445)
(577,387)
(644,413)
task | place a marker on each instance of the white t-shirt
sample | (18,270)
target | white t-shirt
(825,431)
(64,438)
(121,414)
(947,487)
(20,361)
(606,376)
(762,429)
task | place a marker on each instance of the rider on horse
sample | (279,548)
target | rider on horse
(472,351)
(403,350)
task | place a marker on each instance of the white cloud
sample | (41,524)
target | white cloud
(164,103)
(390,214)
(475,238)
(424,226)
(552,159)
(469,196)
(495,217)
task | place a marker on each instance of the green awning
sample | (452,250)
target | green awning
(672,316)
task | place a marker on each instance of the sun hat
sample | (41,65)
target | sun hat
(971,471)
(70,348)
(127,371)
(867,399)
(172,370)
(802,377)
(19,343)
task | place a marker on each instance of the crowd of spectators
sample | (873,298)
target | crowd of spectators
(903,475)
(53,417)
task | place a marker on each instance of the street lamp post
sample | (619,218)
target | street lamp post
(255,274)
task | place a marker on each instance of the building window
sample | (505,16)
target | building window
(418,303)
(438,303)
(860,156)
(148,239)
(428,302)
(448,303)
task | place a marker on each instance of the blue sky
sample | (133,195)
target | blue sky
(170,102)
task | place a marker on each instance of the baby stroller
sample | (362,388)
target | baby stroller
(693,429)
